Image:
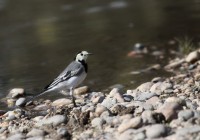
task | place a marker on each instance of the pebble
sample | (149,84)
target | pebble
(62,131)
(192,57)
(81,90)
(17,136)
(97,122)
(185,114)
(35,138)
(109,102)
(36,132)
(132,123)
(145,87)
(144,96)
(100,109)
(20,102)
(156,131)
(170,110)
(16,92)
(62,102)
(54,120)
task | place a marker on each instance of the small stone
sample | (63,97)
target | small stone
(145,87)
(20,102)
(127,98)
(156,131)
(100,109)
(188,130)
(16,92)
(170,110)
(175,64)
(81,90)
(11,102)
(62,102)
(98,99)
(156,79)
(192,57)
(97,122)
(41,107)
(54,120)
(109,102)
(35,132)
(144,96)
(62,131)
(36,138)
(17,136)
(185,114)
(147,117)
(132,123)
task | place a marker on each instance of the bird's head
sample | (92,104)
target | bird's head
(82,56)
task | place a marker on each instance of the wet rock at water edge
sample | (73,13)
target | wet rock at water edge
(16,92)
(20,102)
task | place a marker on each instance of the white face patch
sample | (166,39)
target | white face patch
(82,56)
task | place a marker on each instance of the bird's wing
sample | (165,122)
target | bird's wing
(73,69)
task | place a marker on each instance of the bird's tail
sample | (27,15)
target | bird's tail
(36,96)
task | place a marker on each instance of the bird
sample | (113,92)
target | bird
(71,77)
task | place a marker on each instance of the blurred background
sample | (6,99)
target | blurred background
(38,39)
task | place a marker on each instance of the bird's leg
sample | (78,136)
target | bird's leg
(72,94)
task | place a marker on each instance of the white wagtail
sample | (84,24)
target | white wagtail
(71,77)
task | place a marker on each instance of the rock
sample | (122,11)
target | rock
(62,102)
(132,123)
(156,131)
(127,98)
(144,96)
(81,90)
(154,101)
(97,122)
(157,79)
(109,102)
(54,120)
(192,57)
(11,102)
(100,109)
(185,114)
(62,131)
(98,99)
(16,92)
(17,136)
(36,138)
(36,132)
(175,100)
(145,87)
(170,110)
(20,102)
(40,107)
(175,64)
(188,130)
(147,117)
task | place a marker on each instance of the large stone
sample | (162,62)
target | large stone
(156,131)
(20,102)
(17,136)
(81,90)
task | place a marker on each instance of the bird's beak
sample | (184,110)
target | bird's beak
(90,53)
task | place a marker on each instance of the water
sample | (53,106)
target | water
(39,38)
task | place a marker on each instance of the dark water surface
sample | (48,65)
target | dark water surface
(39,38)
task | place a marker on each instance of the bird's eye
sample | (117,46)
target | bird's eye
(81,54)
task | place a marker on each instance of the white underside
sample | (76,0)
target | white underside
(73,82)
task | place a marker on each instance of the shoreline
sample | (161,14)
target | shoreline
(163,108)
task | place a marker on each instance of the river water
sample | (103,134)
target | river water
(38,39)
